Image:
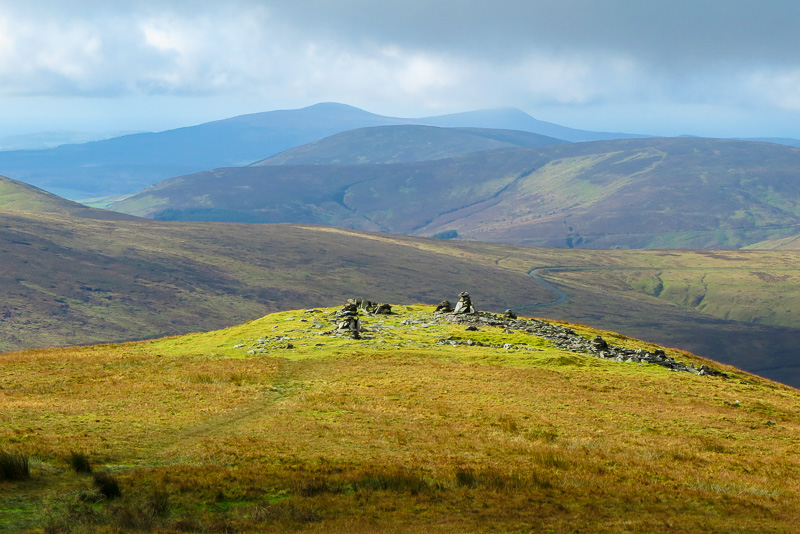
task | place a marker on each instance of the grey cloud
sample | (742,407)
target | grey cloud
(672,31)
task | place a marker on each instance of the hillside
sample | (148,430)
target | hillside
(786,243)
(66,280)
(638,193)
(17,196)
(403,144)
(132,162)
(281,424)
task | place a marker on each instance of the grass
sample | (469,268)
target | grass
(393,433)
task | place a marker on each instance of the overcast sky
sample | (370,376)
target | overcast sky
(706,67)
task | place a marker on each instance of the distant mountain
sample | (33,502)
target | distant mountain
(634,193)
(128,164)
(514,119)
(788,141)
(785,243)
(404,144)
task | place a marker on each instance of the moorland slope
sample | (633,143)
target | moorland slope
(634,193)
(281,424)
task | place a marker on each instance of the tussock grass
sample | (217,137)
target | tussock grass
(107,485)
(14,466)
(79,462)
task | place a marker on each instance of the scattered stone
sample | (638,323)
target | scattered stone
(705,371)
(472,328)
(771,423)
(239,346)
(567,339)
(289,346)
(510,314)
(382,309)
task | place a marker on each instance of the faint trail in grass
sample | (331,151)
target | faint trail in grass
(164,450)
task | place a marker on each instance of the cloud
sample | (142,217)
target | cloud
(404,54)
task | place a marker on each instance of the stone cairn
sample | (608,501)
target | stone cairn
(348,320)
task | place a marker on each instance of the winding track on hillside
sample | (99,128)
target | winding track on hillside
(560,295)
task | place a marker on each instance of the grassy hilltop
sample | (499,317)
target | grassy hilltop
(279,425)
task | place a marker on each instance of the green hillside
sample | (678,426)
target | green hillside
(283,425)
(403,144)
(641,193)
(786,243)
(17,196)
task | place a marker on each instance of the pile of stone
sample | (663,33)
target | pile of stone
(567,339)
(348,321)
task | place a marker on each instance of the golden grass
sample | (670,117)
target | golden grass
(393,433)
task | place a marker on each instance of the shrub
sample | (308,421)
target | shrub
(107,485)
(13,466)
(319,485)
(465,477)
(398,480)
(79,462)
(446,234)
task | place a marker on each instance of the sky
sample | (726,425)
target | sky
(723,68)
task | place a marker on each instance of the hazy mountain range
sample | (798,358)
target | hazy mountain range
(129,163)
